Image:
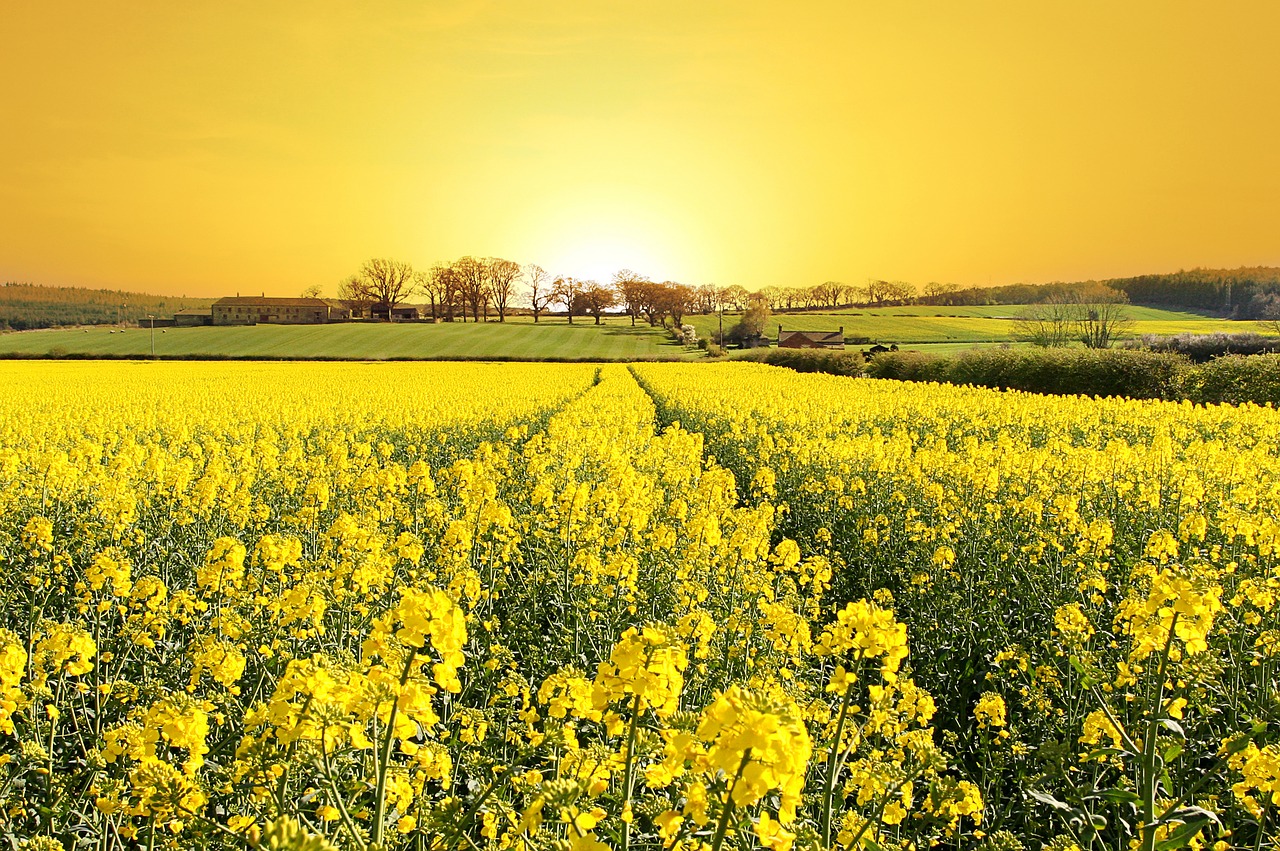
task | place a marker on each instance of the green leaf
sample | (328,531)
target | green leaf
(1172,752)
(1189,813)
(1174,726)
(1180,837)
(1116,796)
(1237,744)
(1046,798)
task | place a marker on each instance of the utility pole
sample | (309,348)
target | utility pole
(153,334)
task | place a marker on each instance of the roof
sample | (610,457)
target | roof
(814,336)
(263,301)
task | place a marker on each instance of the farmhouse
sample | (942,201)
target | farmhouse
(811,339)
(253,310)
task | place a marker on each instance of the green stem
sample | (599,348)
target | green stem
(474,808)
(630,773)
(1149,776)
(380,794)
(829,783)
(884,802)
(333,787)
(728,802)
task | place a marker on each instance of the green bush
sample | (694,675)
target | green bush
(1236,379)
(1084,372)
(908,366)
(1133,373)
(833,362)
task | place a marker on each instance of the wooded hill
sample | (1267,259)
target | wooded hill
(1244,293)
(25,306)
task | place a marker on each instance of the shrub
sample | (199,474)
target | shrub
(1236,379)
(1204,347)
(1084,372)
(908,366)
(833,362)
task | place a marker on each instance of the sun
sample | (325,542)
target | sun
(600,258)
(594,238)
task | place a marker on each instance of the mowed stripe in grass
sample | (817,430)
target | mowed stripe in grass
(358,341)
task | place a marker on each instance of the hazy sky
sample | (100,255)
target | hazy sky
(204,148)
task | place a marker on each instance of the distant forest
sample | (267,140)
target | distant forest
(26,306)
(1244,293)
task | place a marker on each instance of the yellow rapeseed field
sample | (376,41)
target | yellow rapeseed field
(475,607)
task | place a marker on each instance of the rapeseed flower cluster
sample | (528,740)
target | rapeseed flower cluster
(668,607)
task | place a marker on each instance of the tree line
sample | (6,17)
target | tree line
(482,287)
(26,306)
(1244,293)
(477,288)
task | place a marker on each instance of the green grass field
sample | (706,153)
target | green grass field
(941,330)
(551,339)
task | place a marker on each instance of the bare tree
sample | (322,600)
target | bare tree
(875,291)
(1268,311)
(706,299)
(423,283)
(1095,314)
(633,289)
(473,285)
(734,297)
(651,302)
(789,297)
(939,292)
(597,298)
(829,293)
(567,291)
(381,282)
(1101,315)
(448,288)
(773,296)
(901,292)
(677,298)
(503,275)
(1048,324)
(312,291)
(541,292)
(436,286)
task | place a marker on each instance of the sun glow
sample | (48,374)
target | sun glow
(593,237)
(181,148)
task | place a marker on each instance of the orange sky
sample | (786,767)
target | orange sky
(203,148)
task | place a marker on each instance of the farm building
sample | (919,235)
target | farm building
(811,339)
(193,316)
(253,310)
(400,313)
(339,311)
